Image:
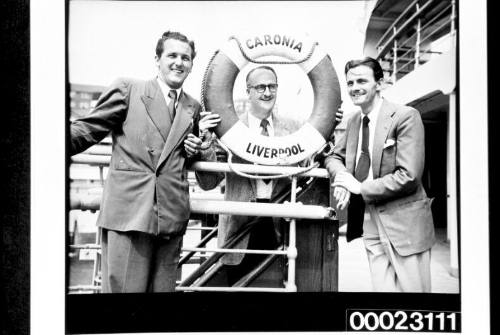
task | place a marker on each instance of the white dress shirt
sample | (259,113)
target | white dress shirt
(373,116)
(263,190)
(165,89)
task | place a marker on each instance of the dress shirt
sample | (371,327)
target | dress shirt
(373,116)
(165,89)
(263,190)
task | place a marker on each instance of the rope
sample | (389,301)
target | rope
(313,47)
(206,144)
(276,176)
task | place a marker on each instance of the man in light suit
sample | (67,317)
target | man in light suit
(262,86)
(377,168)
(145,206)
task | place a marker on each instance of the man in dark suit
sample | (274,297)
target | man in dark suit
(262,90)
(145,206)
(262,86)
(377,168)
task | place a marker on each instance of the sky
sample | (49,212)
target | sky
(111,39)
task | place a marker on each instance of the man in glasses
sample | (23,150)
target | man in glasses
(262,90)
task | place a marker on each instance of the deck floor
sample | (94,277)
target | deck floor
(354,273)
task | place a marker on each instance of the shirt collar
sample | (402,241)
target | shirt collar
(373,115)
(165,89)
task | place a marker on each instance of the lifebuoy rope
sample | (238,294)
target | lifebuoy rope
(206,144)
(208,136)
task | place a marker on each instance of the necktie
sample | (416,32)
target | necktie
(263,124)
(363,165)
(172,94)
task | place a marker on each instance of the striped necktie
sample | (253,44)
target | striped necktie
(263,124)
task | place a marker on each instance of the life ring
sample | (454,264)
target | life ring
(217,96)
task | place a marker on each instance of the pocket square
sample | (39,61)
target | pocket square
(389,143)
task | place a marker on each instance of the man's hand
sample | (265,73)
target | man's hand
(208,120)
(339,115)
(342,196)
(192,145)
(347,181)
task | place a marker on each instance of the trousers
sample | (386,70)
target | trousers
(391,272)
(133,261)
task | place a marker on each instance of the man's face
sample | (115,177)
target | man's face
(175,62)
(262,102)
(361,85)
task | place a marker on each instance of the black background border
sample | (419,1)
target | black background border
(242,312)
(309,312)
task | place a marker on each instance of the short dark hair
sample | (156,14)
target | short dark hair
(372,63)
(262,67)
(174,35)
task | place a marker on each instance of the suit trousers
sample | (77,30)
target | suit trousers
(262,237)
(391,272)
(133,261)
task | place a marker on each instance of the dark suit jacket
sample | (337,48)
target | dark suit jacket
(243,189)
(396,190)
(146,187)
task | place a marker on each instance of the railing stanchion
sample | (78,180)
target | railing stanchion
(395,58)
(292,248)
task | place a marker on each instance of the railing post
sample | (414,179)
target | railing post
(394,58)
(451,186)
(292,247)
(417,42)
(101,174)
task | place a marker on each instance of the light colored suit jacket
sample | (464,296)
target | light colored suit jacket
(146,187)
(244,190)
(396,190)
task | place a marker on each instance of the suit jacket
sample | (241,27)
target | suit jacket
(244,190)
(146,188)
(396,189)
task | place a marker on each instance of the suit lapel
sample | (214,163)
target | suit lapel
(183,122)
(384,122)
(156,107)
(352,142)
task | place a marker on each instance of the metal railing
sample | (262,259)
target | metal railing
(407,43)
(207,205)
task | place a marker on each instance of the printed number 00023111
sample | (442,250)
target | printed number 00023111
(402,320)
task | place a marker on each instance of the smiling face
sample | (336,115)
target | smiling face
(261,103)
(362,87)
(175,62)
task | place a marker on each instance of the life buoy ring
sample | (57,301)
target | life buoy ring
(217,96)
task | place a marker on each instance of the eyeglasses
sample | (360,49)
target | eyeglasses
(262,88)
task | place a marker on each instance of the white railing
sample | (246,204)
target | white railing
(407,43)
(207,205)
